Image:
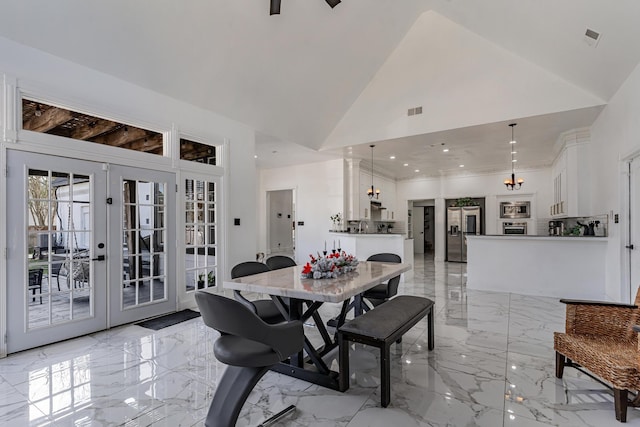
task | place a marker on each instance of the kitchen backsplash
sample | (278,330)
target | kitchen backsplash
(578,226)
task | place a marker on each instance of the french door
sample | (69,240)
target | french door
(90,246)
(200,207)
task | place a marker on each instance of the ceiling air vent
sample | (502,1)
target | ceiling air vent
(414,111)
(591,37)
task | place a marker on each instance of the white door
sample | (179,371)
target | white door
(90,246)
(56,230)
(633,243)
(201,210)
(418,229)
(143,243)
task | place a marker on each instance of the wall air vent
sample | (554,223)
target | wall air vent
(591,37)
(414,111)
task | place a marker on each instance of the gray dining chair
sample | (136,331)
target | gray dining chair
(249,347)
(277,262)
(376,295)
(266,309)
(384,291)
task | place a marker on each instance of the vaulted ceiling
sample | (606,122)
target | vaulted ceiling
(315,80)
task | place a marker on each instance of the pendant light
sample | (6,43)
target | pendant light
(513,183)
(372,192)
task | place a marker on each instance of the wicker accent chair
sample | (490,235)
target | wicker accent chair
(601,340)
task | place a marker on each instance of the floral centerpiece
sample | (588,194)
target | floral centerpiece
(329,266)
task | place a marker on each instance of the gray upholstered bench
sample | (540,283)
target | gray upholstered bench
(380,328)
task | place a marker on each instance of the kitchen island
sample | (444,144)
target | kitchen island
(555,266)
(363,245)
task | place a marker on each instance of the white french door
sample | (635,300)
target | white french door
(90,246)
(143,271)
(201,210)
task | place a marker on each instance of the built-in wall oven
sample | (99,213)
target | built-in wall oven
(514,228)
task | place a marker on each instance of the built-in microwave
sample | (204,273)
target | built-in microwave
(515,209)
(514,228)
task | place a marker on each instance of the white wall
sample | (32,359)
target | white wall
(464,82)
(615,135)
(83,89)
(319,194)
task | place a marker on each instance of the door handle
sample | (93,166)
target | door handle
(98,258)
(630,247)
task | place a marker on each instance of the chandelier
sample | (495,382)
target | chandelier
(372,191)
(513,183)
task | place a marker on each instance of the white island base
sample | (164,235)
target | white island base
(563,267)
(364,245)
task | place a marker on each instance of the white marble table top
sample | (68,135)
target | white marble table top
(287,282)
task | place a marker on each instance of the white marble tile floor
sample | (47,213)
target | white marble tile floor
(493,365)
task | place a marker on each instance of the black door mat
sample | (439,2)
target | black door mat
(169,319)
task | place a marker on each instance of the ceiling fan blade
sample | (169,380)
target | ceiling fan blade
(275,7)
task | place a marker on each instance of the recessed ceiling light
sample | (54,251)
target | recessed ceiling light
(406,164)
(255,156)
(514,152)
(461,166)
(445,150)
(514,160)
(512,142)
(392,157)
(417,170)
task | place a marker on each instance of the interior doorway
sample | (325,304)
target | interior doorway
(423,227)
(281,223)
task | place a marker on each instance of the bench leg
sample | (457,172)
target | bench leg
(431,328)
(385,375)
(343,362)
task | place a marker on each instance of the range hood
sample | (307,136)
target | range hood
(376,205)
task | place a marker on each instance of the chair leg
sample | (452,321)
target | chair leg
(431,327)
(560,362)
(621,403)
(232,391)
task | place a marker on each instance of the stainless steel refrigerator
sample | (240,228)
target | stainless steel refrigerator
(461,222)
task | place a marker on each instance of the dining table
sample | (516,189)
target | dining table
(299,298)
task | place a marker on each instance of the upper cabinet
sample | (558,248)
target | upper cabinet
(386,198)
(571,196)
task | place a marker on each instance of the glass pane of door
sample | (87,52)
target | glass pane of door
(60,229)
(200,234)
(144,257)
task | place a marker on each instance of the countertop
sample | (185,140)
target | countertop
(531,237)
(344,233)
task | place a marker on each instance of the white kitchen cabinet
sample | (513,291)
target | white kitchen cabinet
(386,198)
(571,196)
